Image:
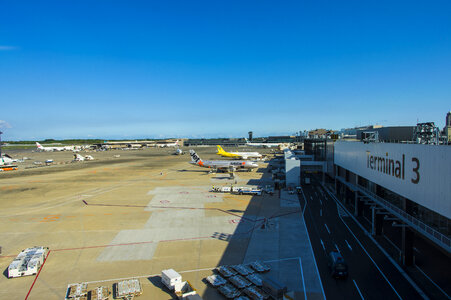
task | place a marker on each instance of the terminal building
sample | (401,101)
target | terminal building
(394,184)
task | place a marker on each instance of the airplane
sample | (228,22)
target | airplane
(224,165)
(78,157)
(240,155)
(6,160)
(6,163)
(63,148)
(178,151)
(163,145)
(264,145)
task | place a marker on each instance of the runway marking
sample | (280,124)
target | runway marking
(358,290)
(322,244)
(50,218)
(327,228)
(338,249)
(320,212)
(321,202)
(349,246)
(430,279)
(311,198)
(303,280)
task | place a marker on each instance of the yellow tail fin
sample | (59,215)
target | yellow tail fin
(220,150)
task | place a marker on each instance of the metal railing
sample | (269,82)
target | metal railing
(435,236)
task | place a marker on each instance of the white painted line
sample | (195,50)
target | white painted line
(358,290)
(186,271)
(358,241)
(281,259)
(303,281)
(311,198)
(349,246)
(436,285)
(394,263)
(311,249)
(393,244)
(322,244)
(418,251)
(321,202)
(320,212)
(338,249)
(327,228)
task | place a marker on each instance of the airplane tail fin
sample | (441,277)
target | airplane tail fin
(39,145)
(194,157)
(220,150)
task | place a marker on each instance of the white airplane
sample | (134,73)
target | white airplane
(224,165)
(163,145)
(239,155)
(263,145)
(78,157)
(62,148)
(178,151)
(6,160)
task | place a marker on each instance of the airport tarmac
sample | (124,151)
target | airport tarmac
(135,215)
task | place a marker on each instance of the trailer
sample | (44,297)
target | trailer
(28,262)
(216,280)
(101,293)
(128,289)
(77,291)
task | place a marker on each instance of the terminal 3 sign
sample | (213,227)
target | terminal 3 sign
(421,173)
(393,167)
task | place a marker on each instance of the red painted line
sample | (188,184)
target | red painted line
(128,244)
(37,275)
(7,256)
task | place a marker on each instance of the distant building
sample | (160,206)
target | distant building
(250,135)
(390,134)
(447,129)
(319,133)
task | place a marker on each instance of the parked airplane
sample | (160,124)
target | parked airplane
(78,157)
(178,151)
(163,144)
(6,163)
(6,160)
(62,148)
(263,145)
(240,155)
(224,165)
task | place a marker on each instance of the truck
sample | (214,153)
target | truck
(247,191)
(171,279)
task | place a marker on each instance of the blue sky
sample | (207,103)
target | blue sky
(131,69)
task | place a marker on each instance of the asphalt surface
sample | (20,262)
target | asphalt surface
(371,274)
